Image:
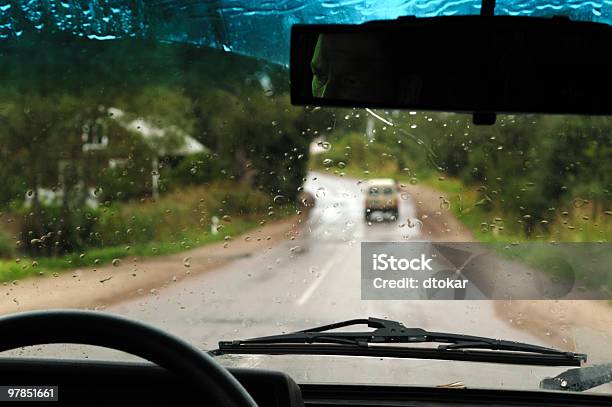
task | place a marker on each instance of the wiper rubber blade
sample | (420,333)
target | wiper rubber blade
(579,379)
(363,343)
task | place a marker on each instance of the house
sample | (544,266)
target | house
(95,138)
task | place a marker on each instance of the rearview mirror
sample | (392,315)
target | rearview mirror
(460,64)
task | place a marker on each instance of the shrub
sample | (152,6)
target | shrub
(172,217)
(124,184)
(176,213)
(132,222)
(55,231)
(237,199)
(196,169)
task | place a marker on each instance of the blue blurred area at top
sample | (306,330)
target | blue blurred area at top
(250,27)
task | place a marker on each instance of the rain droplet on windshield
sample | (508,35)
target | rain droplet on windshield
(324,145)
(187,262)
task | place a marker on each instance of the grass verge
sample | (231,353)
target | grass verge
(23,267)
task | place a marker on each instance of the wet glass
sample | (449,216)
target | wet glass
(177,185)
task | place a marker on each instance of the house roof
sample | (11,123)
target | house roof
(152,134)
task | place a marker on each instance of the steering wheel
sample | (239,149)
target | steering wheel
(136,338)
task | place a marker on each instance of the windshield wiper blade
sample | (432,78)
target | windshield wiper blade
(395,332)
(322,340)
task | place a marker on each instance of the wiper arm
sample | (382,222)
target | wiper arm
(453,346)
(580,379)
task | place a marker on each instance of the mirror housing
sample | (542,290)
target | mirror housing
(474,64)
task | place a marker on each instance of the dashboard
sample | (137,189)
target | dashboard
(86,382)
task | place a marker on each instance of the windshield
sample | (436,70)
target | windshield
(153,166)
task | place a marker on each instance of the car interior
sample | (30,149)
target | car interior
(203,163)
